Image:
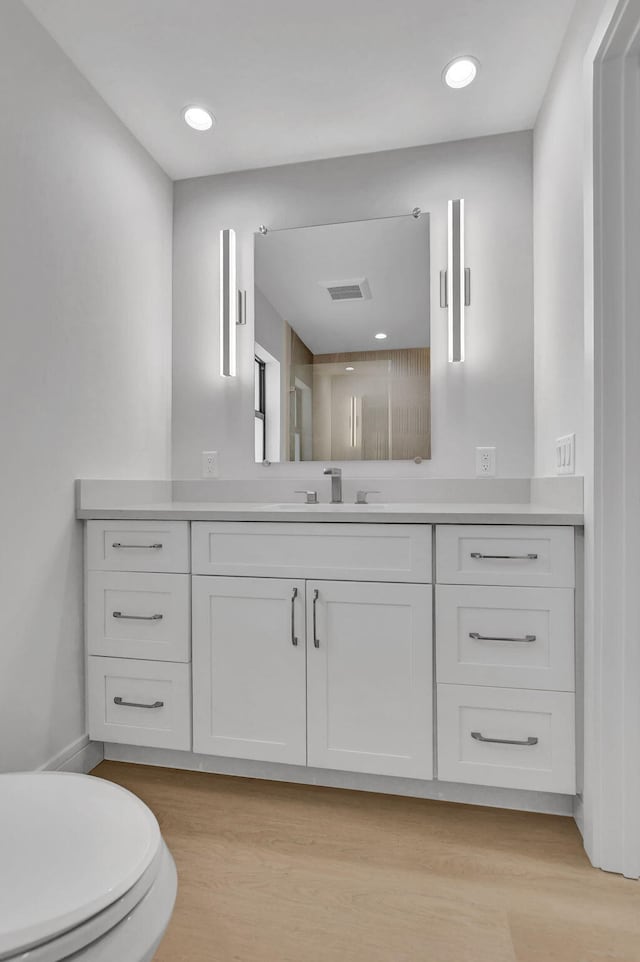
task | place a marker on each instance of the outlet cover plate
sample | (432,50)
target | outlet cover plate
(210,464)
(566,454)
(485,462)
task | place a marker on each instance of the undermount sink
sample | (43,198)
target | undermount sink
(298,506)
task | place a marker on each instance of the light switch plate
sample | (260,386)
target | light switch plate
(566,454)
(210,464)
(485,462)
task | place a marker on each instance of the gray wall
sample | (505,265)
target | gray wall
(560,142)
(85,338)
(485,401)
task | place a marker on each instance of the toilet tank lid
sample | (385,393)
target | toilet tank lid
(70,846)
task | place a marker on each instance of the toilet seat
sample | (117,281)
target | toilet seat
(77,855)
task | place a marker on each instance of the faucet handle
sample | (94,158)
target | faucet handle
(311,497)
(361,496)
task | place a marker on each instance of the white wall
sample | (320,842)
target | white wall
(560,142)
(85,321)
(487,400)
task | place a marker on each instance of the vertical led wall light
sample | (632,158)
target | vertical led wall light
(228,303)
(455,282)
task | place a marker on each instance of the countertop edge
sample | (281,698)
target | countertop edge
(483,515)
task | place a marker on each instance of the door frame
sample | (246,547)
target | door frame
(609,810)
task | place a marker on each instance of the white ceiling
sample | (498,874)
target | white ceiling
(291,267)
(294,80)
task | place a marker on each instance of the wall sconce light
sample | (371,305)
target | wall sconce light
(232,303)
(455,282)
(228,303)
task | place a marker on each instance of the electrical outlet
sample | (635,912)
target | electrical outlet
(210,464)
(485,462)
(566,454)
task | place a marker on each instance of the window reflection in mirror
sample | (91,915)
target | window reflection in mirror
(343,342)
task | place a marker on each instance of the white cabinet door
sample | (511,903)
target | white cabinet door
(345,552)
(369,678)
(249,668)
(138,546)
(536,556)
(507,737)
(135,702)
(133,614)
(505,637)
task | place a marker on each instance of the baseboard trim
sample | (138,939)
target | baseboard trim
(80,756)
(517,799)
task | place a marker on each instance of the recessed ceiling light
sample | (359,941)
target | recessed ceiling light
(381,336)
(349,368)
(460,72)
(198,118)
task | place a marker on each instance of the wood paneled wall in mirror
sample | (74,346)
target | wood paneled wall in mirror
(342,341)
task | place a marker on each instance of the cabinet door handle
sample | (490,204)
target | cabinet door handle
(119,614)
(316,640)
(478,637)
(531,740)
(294,595)
(135,704)
(116,544)
(503,557)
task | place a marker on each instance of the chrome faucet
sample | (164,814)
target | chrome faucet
(336,484)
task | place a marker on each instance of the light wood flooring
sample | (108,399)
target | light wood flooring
(272,872)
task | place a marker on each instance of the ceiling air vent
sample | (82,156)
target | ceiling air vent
(352,290)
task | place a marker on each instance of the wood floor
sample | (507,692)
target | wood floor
(270,872)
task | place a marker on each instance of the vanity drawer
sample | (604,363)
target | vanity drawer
(505,637)
(138,546)
(340,552)
(139,615)
(156,702)
(476,554)
(475,723)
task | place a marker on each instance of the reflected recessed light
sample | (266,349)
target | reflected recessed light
(349,368)
(460,72)
(198,118)
(381,336)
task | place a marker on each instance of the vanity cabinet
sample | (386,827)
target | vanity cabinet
(326,673)
(311,644)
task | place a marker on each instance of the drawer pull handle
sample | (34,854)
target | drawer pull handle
(316,640)
(135,704)
(294,595)
(531,740)
(478,637)
(118,614)
(116,544)
(503,557)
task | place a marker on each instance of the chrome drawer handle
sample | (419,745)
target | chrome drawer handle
(316,640)
(118,614)
(135,704)
(503,557)
(478,637)
(531,740)
(294,595)
(116,544)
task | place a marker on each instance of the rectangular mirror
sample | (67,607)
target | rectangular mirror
(342,345)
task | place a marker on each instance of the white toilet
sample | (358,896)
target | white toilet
(84,871)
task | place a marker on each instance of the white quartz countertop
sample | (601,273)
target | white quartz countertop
(419,513)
